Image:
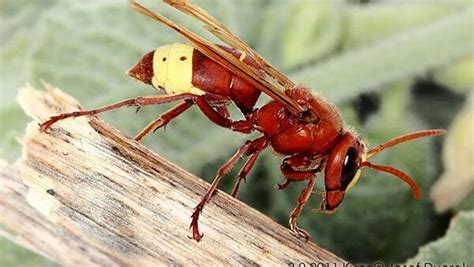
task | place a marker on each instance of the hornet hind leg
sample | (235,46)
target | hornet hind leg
(139,102)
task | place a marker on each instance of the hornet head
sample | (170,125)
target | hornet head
(350,155)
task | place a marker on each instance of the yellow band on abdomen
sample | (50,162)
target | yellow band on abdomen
(173,69)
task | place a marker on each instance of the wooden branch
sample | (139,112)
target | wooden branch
(86,195)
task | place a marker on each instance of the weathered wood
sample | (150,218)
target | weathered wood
(86,195)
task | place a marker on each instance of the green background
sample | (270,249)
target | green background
(391,67)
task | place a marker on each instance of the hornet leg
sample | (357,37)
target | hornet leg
(164,119)
(139,102)
(300,168)
(302,200)
(244,150)
(243,126)
(259,145)
(221,109)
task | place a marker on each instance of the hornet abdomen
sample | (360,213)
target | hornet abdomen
(179,68)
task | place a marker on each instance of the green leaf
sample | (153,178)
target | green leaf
(308,32)
(400,56)
(322,25)
(369,23)
(455,247)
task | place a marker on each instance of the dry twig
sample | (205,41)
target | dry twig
(85,195)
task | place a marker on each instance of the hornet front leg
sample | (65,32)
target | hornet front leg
(248,148)
(296,169)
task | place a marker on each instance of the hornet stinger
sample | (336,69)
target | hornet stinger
(297,124)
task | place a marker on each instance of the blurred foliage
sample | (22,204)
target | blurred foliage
(457,181)
(12,254)
(392,67)
(447,249)
(459,76)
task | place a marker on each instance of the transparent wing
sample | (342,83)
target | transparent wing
(223,33)
(224,58)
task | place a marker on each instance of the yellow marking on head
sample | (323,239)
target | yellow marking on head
(173,69)
(357,175)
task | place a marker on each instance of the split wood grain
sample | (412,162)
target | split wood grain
(86,195)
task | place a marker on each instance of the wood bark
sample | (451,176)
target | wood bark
(86,195)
